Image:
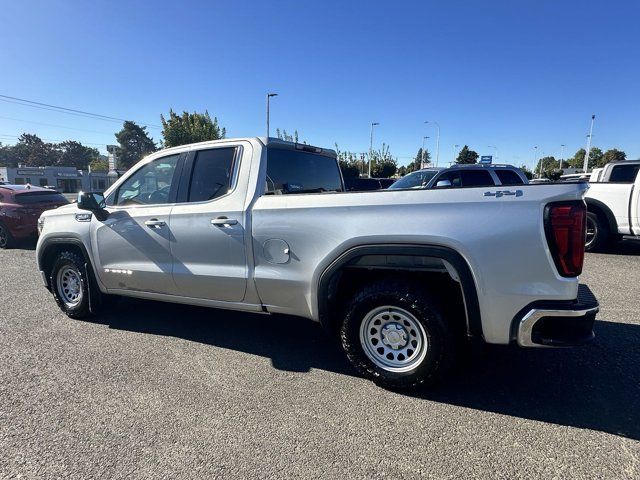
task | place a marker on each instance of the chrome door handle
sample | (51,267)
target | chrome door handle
(222,221)
(155,223)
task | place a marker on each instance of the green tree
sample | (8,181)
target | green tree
(134,143)
(74,154)
(7,158)
(527,173)
(596,158)
(99,165)
(31,151)
(613,155)
(350,163)
(286,137)
(416,164)
(467,156)
(190,128)
(383,165)
(550,168)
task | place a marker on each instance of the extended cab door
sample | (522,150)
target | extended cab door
(209,226)
(132,245)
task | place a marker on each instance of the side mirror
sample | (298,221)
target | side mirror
(93,202)
(443,183)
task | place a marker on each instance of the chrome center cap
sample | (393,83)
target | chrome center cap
(394,335)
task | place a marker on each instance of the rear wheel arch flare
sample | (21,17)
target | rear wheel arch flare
(454,263)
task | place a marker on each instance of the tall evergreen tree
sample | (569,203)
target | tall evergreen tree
(467,156)
(134,143)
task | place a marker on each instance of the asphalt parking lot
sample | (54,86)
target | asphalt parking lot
(151,390)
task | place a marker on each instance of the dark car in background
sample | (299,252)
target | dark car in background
(367,184)
(20,208)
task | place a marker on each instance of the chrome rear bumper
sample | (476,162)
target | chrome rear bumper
(546,324)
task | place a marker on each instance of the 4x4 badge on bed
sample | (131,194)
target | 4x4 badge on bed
(502,193)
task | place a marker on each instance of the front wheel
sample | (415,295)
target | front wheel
(70,286)
(394,334)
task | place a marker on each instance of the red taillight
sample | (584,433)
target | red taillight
(565,229)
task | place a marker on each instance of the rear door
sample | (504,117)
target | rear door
(208,226)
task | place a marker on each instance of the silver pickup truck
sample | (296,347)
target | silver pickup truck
(405,278)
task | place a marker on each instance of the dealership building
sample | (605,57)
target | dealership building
(63,179)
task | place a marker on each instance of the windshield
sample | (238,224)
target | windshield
(417,179)
(295,171)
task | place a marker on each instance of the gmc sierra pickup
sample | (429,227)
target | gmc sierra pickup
(404,277)
(613,203)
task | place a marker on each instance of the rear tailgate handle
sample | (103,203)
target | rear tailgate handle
(222,221)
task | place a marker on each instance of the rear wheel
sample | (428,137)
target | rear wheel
(395,335)
(6,239)
(598,233)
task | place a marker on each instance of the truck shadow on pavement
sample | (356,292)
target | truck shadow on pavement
(595,387)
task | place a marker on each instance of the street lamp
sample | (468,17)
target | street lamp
(535,158)
(269,95)
(562,154)
(422,156)
(496,148)
(437,141)
(373,124)
(585,166)
(455,147)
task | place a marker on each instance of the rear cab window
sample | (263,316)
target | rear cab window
(302,169)
(212,174)
(624,173)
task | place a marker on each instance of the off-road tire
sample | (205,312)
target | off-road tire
(71,260)
(440,336)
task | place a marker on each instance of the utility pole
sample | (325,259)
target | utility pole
(437,141)
(422,155)
(269,95)
(373,124)
(586,155)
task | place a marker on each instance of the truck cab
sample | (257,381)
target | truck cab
(613,203)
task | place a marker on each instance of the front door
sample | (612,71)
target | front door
(132,245)
(208,226)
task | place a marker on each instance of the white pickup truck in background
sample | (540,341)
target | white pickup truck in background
(613,203)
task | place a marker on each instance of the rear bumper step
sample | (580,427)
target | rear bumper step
(558,324)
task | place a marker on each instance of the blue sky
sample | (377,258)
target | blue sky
(513,74)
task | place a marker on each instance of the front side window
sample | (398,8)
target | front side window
(150,185)
(624,173)
(212,174)
(296,171)
(453,176)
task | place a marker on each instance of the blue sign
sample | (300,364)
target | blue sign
(486,158)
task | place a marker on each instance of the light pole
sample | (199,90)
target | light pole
(562,154)
(586,155)
(437,141)
(455,147)
(496,148)
(373,124)
(269,95)
(422,156)
(535,159)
